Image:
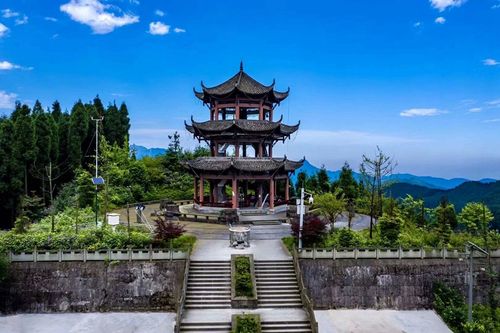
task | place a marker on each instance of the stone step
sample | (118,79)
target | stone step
(213,297)
(213,276)
(205,279)
(213,284)
(276,279)
(279,291)
(280,305)
(205,327)
(208,306)
(278,296)
(211,289)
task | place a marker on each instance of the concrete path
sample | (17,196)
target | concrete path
(123,322)
(213,249)
(380,321)
(218,231)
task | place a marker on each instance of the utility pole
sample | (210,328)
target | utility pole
(97,120)
(301,217)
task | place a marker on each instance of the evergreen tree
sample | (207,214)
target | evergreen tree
(78,127)
(112,125)
(56,111)
(347,183)
(24,141)
(37,109)
(124,125)
(323,180)
(11,177)
(301,181)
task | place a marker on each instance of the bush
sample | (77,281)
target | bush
(4,266)
(167,230)
(313,230)
(243,277)
(184,242)
(248,323)
(289,242)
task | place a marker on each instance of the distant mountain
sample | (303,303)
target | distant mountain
(141,152)
(487,192)
(424,181)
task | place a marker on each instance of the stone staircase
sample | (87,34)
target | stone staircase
(209,285)
(277,285)
(208,298)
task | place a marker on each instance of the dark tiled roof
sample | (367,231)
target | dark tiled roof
(243,83)
(241,126)
(220,164)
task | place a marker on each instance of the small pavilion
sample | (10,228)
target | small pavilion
(241,133)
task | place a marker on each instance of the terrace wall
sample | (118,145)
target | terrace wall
(40,287)
(387,283)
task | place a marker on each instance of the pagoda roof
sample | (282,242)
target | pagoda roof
(241,83)
(249,164)
(241,125)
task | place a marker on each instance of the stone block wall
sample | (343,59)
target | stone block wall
(92,286)
(389,283)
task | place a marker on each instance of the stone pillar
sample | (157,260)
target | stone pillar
(270,152)
(287,189)
(237,150)
(260,150)
(201,190)
(271,193)
(235,193)
(211,182)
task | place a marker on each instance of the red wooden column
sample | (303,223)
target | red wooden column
(211,182)
(201,190)
(287,189)
(260,194)
(195,192)
(237,110)
(270,152)
(271,193)
(216,111)
(234,190)
(260,152)
(261,111)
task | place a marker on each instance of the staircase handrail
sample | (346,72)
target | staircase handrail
(306,301)
(146,222)
(182,297)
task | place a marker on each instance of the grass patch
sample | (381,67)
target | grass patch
(184,242)
(289,242)
(243,277)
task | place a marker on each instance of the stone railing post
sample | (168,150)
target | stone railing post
(35,255)
(377,253)
(334,253)
(356,253)
(422,255)
(84,255)
(400,253)
(150,252)
(59,254)
(129,253)
(314,251)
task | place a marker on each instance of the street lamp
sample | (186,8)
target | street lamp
(471,247)
(300,208)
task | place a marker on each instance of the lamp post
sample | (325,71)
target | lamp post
(301,215)
(471,247)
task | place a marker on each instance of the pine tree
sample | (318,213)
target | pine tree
(112,124)
(11,175)
(124,125)
(78,128)
(37,109)
(24,141)
(323,180)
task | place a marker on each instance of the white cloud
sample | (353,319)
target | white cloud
(97,15)
(158,28)
(440,20)
(5,66)
(3,30)
(421,112)
(160,13)
(475,110)
(441,5)
(494,103)
(490,62)
(177,30)
(8,13)
(417,24)
(7,100)
(49,18)
(496,120)
(21,21)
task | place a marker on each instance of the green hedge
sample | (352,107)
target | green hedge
(243,277)
(248,323)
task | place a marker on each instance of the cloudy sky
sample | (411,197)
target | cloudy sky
(419,78)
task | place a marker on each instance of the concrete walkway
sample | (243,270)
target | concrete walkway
(213,249)
(224,315)
(380,321)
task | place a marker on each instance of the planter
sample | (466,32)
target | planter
(242,294)
(245,323)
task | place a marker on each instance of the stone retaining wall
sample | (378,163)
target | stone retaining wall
(92,286)
(390,283)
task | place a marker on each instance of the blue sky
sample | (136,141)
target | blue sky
(419,78)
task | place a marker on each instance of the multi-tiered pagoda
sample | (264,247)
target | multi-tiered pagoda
(241,133)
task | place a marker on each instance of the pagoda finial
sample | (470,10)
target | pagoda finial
(241,66)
